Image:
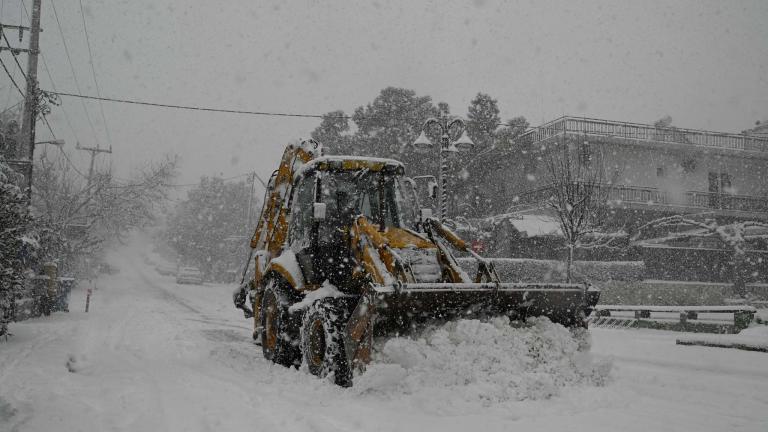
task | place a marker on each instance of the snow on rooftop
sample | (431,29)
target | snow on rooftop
(537,225)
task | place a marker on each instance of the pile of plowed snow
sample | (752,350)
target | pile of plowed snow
(486,362)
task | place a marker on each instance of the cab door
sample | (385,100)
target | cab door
(300,227)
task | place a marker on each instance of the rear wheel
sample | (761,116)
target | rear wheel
(279,331)
(322,340)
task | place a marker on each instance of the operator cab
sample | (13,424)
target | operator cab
(328,195)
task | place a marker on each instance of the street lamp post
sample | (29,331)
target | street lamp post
(447,148)
(25,165)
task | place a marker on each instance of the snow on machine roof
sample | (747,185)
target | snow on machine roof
(352,163)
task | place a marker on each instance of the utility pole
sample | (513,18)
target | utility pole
(94,151)
(27,147)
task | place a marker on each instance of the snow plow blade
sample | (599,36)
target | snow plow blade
(400,307)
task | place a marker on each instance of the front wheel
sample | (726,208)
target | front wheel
(279,334)
(322,340)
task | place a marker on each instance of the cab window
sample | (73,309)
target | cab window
(301,212)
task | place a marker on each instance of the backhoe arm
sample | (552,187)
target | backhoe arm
(486,272)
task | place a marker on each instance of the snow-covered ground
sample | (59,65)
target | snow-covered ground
(155,356)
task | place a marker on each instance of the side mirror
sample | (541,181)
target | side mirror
(425,214)
(318,211)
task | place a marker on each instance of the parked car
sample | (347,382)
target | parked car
(189,275)
(166,270)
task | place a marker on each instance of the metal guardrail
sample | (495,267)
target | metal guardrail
(645,132)
(603,315)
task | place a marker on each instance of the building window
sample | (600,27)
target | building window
(688,165)
(719,183)
(660,172)
(585,156)
(725,183)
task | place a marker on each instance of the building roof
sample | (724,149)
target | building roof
(530,225)
(638,133)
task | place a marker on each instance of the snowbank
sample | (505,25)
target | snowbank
(473,362)
(751,339)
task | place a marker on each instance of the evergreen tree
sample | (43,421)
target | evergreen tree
(388,126)
(482,121)
(333,133)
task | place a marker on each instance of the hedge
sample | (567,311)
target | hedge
(533,270)
(674,293)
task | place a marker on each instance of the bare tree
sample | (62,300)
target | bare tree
(106,209)
(578,196)
(734,236)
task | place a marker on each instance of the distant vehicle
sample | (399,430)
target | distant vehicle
(108,269)
(165,270)
(189,275)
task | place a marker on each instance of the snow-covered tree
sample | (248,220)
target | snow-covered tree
(578,198)
(209,229)
(486,169)
(15,223)
(9,132)
(75,219)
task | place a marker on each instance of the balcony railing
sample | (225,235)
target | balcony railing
(643,132)
(617,194)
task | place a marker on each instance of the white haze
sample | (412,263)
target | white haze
(703,63)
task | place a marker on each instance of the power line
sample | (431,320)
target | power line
(93,72)
(72,67)
(72,165)
(45,119)
(269,113)
(63,111)
(12,106)
(11,77)
(194,108)
(53,85)
(237,111)
(16,59)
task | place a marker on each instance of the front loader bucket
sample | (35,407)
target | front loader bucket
(398,309)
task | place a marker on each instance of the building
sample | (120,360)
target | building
(652,171)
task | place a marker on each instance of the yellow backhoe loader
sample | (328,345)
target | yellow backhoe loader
(341,253)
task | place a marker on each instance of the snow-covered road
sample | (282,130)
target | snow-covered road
(155,356)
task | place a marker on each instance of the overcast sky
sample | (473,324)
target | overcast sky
(705,63)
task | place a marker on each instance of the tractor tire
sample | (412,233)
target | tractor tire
(322,340)
(280,331)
